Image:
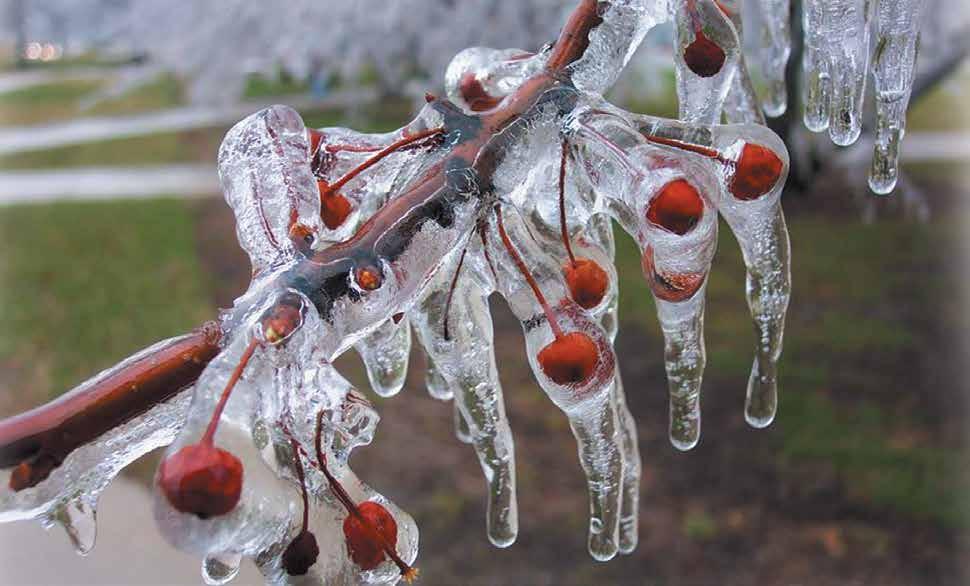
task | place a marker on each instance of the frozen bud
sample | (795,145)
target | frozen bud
(368,278)
(283,318)
(475,95)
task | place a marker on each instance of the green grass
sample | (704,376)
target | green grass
(86,284)
(857,443)
(262,86)
(166,91)
(943,108)
(860,335)
(44,102)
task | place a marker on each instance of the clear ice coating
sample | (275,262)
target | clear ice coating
(843,40)
(893,72)
(511,187)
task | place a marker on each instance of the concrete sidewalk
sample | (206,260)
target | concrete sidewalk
(92,183)
(15,139)
(128,551)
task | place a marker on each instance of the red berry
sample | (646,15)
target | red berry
(704,57)
(202,479)
(366,537)
(670,287)
(677,208)
(756,172)
(570,359)
(300,554)
(587,282)
(334,207)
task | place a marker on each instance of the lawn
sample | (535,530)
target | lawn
(85,284)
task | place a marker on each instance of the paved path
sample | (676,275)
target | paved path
(107,183)
(16,80)
(37,137)
(129,549)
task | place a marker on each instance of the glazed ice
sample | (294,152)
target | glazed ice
(357,240)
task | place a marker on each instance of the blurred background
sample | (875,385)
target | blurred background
(113,234)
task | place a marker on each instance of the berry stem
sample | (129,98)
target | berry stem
(406,570)
(381,154)
(451,291)
(550,317)
(562,203)
(302,478)
(686,146)
(210,431)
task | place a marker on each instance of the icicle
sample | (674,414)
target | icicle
(385,353)
(774,50)
(741,104)
(218,569)
(599,230)
(455,327)
(573,363)
(462,432)
(79,519)
(893,70)
(668,211)
(706,54)
(835,66)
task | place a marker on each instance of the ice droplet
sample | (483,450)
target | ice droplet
(79,519)
(218,569)
(462,432)
(893,70)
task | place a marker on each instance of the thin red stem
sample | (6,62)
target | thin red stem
(562,204)
(389,149)
(550,316)
(488,257)
(451,291)
(695,20)
(210,431)
(302,478)
(348,503)
(351,148)
(686,146)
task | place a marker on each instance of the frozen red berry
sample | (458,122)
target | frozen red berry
(202,479)
(334,207)
(587,282)
(569,359)
(301,554)
(677,207)
(369,534)
(756,172)
(703,56)
(673,287)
